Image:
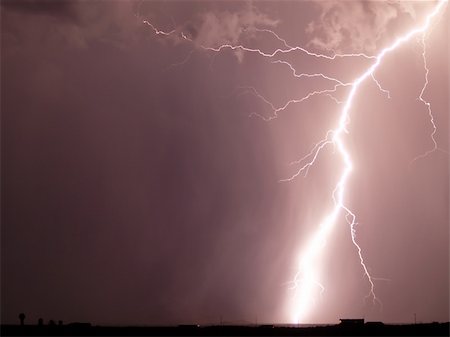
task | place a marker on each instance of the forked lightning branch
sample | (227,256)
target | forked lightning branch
(306,283)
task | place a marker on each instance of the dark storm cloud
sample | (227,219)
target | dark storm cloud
(64,10)
(74,24)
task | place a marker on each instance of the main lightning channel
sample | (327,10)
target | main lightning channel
(306,278)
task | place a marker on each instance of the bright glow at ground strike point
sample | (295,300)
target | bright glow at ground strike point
(306,282)
(306,279)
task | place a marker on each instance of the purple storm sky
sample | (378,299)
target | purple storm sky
(139,187)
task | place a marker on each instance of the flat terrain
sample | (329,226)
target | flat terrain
(367,329)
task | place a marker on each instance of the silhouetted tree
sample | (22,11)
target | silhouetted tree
(51,322)
(40,322)
(22,318)
(60,322)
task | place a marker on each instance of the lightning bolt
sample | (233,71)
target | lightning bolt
(307,279)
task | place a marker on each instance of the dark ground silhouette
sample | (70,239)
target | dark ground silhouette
(362,329)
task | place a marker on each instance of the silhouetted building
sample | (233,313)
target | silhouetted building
(352,322)
(374,324)
(79,325)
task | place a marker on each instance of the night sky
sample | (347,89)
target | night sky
(139,186)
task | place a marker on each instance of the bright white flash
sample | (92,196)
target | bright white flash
(307,280)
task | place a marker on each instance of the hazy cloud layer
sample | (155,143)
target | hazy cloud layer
(227,27)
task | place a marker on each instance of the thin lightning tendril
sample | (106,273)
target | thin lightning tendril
(425,102)
(275,110)
(388,94)
(157,31)
(306,279)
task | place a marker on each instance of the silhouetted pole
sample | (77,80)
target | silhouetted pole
(415,319)
(22,318)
